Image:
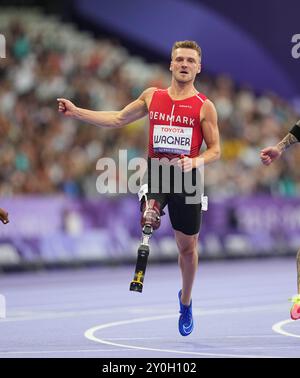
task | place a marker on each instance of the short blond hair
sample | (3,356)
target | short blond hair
(187,45)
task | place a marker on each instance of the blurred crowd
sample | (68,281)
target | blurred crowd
(43,152)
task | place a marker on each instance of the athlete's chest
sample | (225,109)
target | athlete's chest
(175,113)
(174,125)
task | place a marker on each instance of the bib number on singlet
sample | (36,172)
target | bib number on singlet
(172,139)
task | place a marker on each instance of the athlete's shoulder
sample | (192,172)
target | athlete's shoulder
(201,97)
(149,94)
(149,91)
(208,110)
(208,104)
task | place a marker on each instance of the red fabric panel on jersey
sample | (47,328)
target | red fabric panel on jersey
(175,127)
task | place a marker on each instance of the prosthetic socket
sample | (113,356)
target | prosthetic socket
(150,214)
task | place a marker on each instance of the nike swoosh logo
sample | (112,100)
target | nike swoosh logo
(188,328)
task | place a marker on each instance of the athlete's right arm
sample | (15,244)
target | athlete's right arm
(269,154)
(114,119)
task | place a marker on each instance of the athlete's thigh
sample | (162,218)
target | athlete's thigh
(184,217)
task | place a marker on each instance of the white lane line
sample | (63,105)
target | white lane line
(135,338)
(277,327)
(132,310)
(67,314)
(89,334)
(64,351)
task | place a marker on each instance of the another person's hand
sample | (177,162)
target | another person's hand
(269,154)
(66,107)
(4,216)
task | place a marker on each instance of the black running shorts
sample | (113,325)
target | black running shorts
(178,195)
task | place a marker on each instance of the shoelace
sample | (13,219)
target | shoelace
(186,313)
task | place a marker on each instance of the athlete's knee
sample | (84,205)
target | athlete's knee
(187,244)
(188,247)
(188,250)
(151,213)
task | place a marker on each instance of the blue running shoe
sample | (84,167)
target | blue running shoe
(185,323)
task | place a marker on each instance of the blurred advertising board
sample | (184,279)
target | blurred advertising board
(53,230)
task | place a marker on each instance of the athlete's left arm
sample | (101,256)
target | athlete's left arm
(210,130)
(209,122)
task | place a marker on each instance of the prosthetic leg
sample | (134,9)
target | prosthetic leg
(150,221)
(142,259)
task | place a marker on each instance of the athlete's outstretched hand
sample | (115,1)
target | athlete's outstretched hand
(66,107)
(4,216)
(269,154)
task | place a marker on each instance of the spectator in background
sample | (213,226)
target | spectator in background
(44,154)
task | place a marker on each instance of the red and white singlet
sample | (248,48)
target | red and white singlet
(175,127)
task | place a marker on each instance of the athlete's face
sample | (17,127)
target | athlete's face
(185,64)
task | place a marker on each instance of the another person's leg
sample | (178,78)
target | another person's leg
(295,310)
(298,271)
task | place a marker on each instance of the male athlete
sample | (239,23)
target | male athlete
(4,216)
(178,110)
(268,155)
